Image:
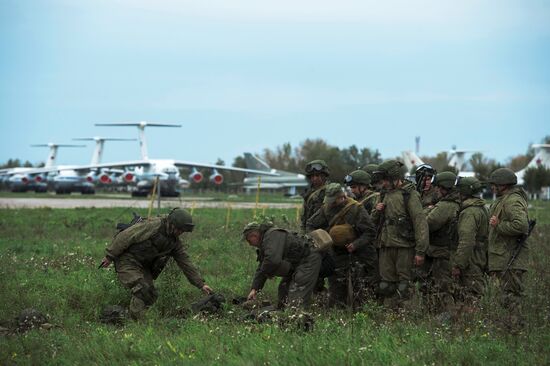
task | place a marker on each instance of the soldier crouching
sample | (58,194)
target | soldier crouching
(284,254)
(141,251)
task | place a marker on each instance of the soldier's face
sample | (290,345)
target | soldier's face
(339,201)
(358,190)
(253,238)
(317,180)
(427,183)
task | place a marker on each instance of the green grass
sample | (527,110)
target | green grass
(49,258)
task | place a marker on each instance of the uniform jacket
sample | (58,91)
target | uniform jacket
(429,197)
(442,223)
(357,217)
(146,242)
(279,253)
(369,200)
(473,227)
(400,226)
(511,210)
(313,200)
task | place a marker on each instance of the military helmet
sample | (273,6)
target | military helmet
(370,168)
(333,191)
(357,177)
(468,186)
(181,219)
(389,169)
(445,179)
(424,170)
(503,177)
(317,166)
(251,226)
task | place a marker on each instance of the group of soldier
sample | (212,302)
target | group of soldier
(376,237)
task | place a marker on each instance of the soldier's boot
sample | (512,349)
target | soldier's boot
(144,295)
(137,308)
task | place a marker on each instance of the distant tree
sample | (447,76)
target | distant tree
(535,178)
(482,166)
(439,161)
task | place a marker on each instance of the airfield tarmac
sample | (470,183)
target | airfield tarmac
(188,202)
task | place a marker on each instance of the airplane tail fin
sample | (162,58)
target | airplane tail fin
(253,162)
(411,160)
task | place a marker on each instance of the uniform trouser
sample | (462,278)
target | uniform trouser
(511,287)
(395,270)
(435,274)
(355,277)
(136,277)
(471,283)
(296,289)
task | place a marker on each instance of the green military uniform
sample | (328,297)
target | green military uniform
(360,266)
(510,209)
(139,254)
(442,223)
(429,197)
(369,200)
(471,254)
(291,256)
(402,229)
(313,200)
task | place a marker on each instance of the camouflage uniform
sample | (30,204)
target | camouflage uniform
(442,223)
(471,254)
(402,229)
(139,254)
(288,255)
(361,263)
(429,197)
(369,200)
(511,210)
(313,200)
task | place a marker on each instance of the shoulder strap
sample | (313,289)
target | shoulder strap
(314,193)
(342,212)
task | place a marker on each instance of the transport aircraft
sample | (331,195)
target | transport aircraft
(24,179)
(141,174)
(284,180)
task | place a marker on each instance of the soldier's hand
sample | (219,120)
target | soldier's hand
(206,289)
(418,260)
(105,262)
(380,206)
(456,273)
(494,221)
(252,295)
(350,248)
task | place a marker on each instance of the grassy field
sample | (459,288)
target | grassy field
(49,258)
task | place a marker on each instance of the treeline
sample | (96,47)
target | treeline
(340,161)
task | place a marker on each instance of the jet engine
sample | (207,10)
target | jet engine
(216,177)
(195,176)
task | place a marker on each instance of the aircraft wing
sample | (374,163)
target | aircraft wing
(80,168)
(188,164)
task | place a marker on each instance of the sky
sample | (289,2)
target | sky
(243,75)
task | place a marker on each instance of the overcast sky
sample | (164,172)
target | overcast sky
(244,75)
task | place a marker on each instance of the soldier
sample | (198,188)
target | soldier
(352,232)
(141,251)
(442,223)
(359,182)
(402,229)
(469,260)
(317,174)
(508,222)
(283,254)
(424,177)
